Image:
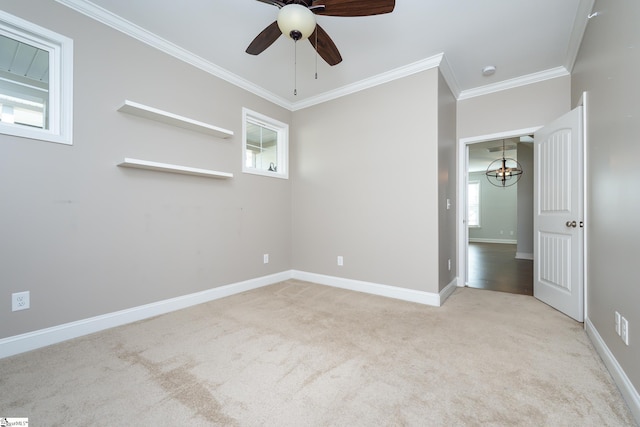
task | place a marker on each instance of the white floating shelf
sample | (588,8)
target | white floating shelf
(147,112)
(165,167)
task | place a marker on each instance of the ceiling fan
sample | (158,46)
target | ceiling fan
(296,19)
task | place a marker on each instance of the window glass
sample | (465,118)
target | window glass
(265,145)
(262,147)
(35,81)
(24,83)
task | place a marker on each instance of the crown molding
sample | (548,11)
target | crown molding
(579,27)
(449,76)
(388,76)
(114,21)
(515,82)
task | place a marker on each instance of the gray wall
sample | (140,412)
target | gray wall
(607,67)
(365,182)
(498,211)
(514,109)
(87,237)
(447,183)
(525,202)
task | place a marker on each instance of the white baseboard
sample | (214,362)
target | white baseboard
(404,294)
(41,338)
(44,337)
(524,255)
(482,240)
(625,386)
(448,290)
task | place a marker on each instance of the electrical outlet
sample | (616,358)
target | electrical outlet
(617,323)
(340,261)
(624,330)
(449,264)
(20,301)
(265,258)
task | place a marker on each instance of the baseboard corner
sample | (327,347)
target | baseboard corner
(628,391)
(404,294)
(448,290)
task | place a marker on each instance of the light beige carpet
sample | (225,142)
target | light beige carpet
(300,354)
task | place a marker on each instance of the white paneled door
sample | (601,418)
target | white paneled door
(559,214)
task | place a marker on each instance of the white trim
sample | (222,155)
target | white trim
(282,129)
(449,289)
(449,76)
(579,26)
(499,135)
(463,173)
(585,199)
(515,82)
(524,255)
(114,21)
(395,74)
(395,292)
(60,50)
(621,379)
(503,241)
(44,337)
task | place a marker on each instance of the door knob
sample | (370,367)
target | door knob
(572,224)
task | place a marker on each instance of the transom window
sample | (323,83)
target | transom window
(265,145)
(35,81)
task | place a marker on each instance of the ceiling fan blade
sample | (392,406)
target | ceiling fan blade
(354,7)
(325,46)
(273,2)
(264,39)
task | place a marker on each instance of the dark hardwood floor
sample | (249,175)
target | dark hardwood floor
(493,266)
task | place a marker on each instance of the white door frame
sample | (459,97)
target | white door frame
(463,174)
(463,167)
(582,102)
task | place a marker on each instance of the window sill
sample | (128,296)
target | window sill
(34,133)
(265,173)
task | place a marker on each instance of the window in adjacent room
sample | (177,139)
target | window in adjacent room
(265,145)
(35,81)
(473,208)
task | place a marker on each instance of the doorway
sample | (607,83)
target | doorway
(496,249)
(494,267)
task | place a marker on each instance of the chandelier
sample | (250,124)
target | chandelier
(504,172)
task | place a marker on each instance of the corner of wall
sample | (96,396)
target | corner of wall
(623,382)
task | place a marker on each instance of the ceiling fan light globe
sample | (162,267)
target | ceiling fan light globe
(296,20)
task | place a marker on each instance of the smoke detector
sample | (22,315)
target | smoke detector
(489,70)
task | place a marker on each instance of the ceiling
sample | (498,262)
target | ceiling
(23,60)
(482,154)
(526,40)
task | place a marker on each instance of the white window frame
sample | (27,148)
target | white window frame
(60,48)
(282,129)
(475,182)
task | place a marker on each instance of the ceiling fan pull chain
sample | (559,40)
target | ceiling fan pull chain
(316,31)
(295,67)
